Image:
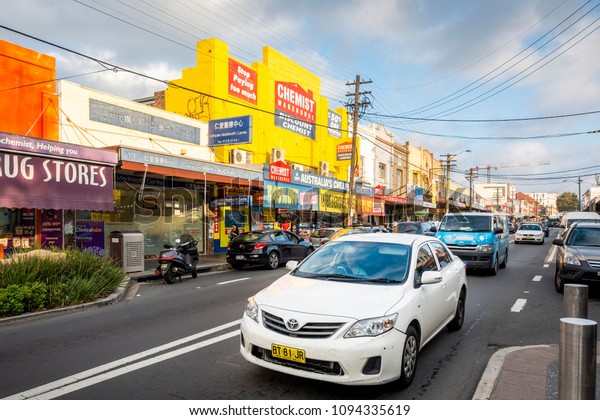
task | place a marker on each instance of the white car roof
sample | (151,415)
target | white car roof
(388,238)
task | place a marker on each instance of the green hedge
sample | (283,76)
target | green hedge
(40,282)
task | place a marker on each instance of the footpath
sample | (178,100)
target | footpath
(512,373)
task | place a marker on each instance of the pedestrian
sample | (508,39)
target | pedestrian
(285,225)
(235,231)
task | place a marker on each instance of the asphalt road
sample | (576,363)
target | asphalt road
(181,342)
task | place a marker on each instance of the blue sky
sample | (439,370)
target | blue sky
(438,68)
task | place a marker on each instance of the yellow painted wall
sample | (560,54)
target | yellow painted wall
(200,92)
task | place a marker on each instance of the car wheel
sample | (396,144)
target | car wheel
(410,357)
(273,260)
(194,273)
(494,269)
(558,284)
(459,316)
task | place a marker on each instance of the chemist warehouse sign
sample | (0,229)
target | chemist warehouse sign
(37,173)
(295,109)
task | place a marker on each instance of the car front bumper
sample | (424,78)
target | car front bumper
(349,361)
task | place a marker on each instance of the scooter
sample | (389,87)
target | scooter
(178,260)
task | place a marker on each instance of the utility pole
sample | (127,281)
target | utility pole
(355,104)
(471,176)
(579,197)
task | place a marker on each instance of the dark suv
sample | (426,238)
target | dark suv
(578,255)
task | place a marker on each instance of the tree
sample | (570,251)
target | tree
(567,201)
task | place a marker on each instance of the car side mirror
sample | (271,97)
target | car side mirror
(558,242)
(431,277)
(433,229)
(498,230)
(291,265)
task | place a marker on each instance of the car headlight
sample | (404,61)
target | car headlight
(571,259)
(486,248)
(252,309)
(372,327)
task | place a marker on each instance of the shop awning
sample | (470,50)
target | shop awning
(36,173)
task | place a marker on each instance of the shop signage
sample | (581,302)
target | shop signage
(363,190)
(140,121)
(242,81)
(280,171)
(51,228)
(237,130)
(36,173)
(334,124)
(332,201)
(344,151)
(89,236)
(295,109)
(318,181)
(379,191)
(291,197)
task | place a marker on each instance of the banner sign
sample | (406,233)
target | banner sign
(295,109)
(332,201)
(237,130)
(53,175)
(280,171)
(334,124)
(344,151)
(242,81)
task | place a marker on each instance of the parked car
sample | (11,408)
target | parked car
(267,247)
(417,228)
(321,236)
(357,311)
(578,255)
(530,233)
(512,228)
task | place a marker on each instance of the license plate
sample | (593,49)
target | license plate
(239,257)
(164,266)
(288,353)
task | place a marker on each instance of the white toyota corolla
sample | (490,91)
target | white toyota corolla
(358,310)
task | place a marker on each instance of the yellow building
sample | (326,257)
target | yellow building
(263,112)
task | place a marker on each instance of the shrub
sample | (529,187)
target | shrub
(42,281)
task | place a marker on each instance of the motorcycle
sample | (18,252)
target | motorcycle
(180,259)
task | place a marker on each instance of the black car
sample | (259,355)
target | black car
(578,255)
(267,247)
(416,228)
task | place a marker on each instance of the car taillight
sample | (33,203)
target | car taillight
(260,245)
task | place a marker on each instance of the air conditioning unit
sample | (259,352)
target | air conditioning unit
(324,168)
(277,155)
(238,156)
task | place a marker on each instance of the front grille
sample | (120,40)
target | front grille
(309,330)
(462,248)
(594,264)
(312,365)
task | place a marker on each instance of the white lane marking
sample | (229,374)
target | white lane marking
(233,281)
(546,265)
(519,305)
(48,388)
(537,278)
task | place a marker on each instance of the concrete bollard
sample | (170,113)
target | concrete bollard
(575,302)
(577,359)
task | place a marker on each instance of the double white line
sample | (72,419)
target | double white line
(122,366)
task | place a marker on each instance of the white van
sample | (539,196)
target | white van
(576,216)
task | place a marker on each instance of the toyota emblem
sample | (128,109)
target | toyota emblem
(292,324)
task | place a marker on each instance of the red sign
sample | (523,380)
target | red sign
(242,81)
(344,151)
(379,191)
(280,171)
(295,101)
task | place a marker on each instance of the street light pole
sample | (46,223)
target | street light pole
(449,158)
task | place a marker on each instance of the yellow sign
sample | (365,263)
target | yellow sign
(332,201)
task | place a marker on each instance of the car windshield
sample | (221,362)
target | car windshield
(465,223)
(584,237)
(408,228)
(322,233)
(531,227)
(357,262)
